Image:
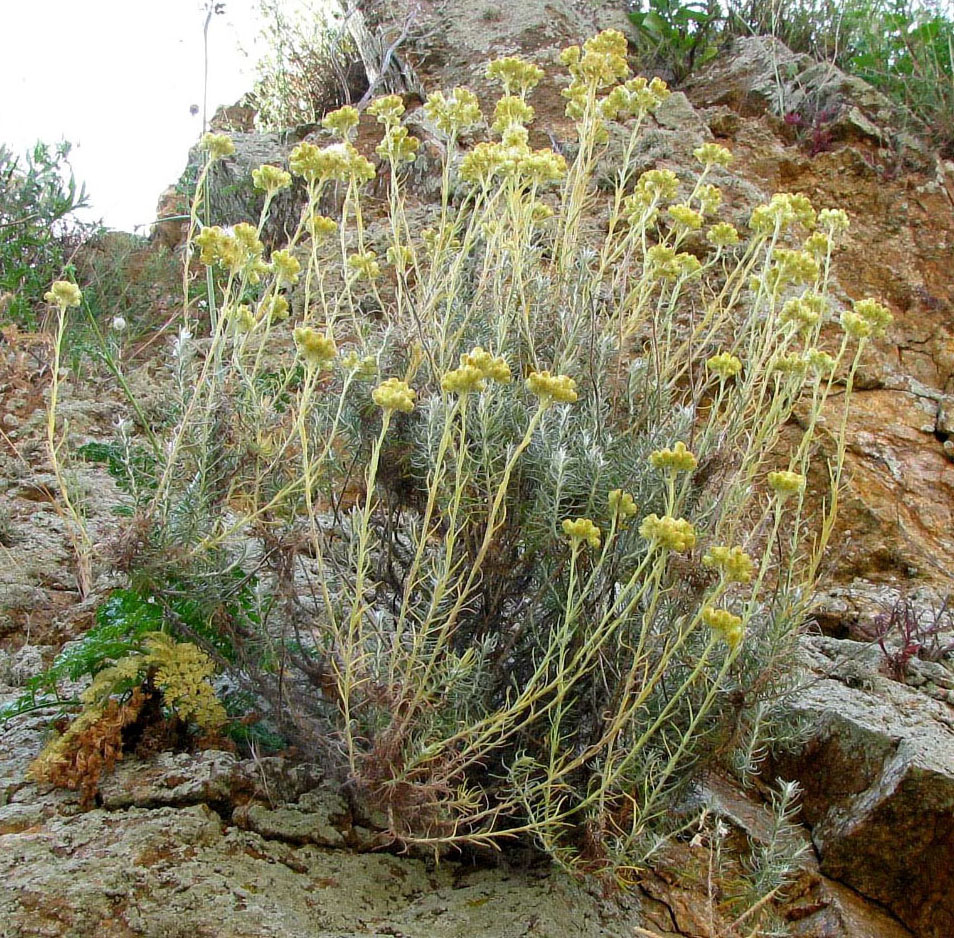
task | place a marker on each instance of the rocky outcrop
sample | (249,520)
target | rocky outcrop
(877,769)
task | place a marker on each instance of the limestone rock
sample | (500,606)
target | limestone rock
(878,776)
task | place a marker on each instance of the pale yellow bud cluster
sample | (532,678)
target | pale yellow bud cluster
(818,244)
(729,626)
(804,312)
(321,227)
(786,483)
(394,394)
(315,349)
(218,146)
(559,389)
(834,219)
(671,533)
(686,217)
(622,505)
(725,365)
(398,145)
(460,113)
(797,267)
(677,459)
(790,364)
(365,265)
(783,210)
(286,267)
(342,122)
(242,318)
(270,178)
(339,161)
(635,98)
(400,256)
(235,251)
(712,154)
(601,62)
(511,110)
(387,109)
(665,264)
(63,294)
(582,530)
(516,75)
(734,563)
(723,235)
(875,316)
(820,362)
(709,197)
(490,366)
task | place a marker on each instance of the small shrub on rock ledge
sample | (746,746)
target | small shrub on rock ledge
(508,473)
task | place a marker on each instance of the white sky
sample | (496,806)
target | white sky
(116,78)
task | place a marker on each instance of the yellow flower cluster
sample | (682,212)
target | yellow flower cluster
(235,251)
(365,264)
(460,113)
(818,244)
(665,264)
(634,98)
(339,161)
(476,367)
(63,294)
(515,160)
(710,198)
(394,394)
(622,505)
(677,459)
(242,318)
(712,154)
(723,235)
(834,219)
(600,63)
(218,146)
(796,267)
(805,311)
(867,318)
(316,349)
(724,365)
(270,178)
(400,256)
(184,673)
(786,483)
(783,211)
(398,145)
(656,185)
(686,217)
(734,563)
(790,364)
(820,362)
(671,533)
(342,122)
(725,623)
(286,267)
(387,109)
(511,110)
(552,388)
(321,227)
(582,530)
(516,75)
(275,308)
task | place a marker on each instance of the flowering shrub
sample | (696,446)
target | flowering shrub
(530,543)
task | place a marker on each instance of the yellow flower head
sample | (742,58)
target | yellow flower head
(400,256)
(321,227)
(365,264)
(276,309)
(820,361)
(724,622)
(723,235)
(398,145)
(712,154)
(342,122)
(552,388)
(621,505)
(786,483)
(243,319)
(387,109)
(582,530)
(671,533)
(495,368)
(734,563)
(686,217)
(63,294)
(316,349)
(218,146)
(834,219)
(339,162)
(394,394)
(517,76)
(463,380)
(460,113)
(790,364)
(677,459)
(875,315)
(270,178)
(511,110)
(710,198)
(286,267)
(724,365)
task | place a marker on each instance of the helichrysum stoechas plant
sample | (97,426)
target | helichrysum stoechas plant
(515,476)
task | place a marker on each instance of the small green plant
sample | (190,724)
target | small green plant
(38,229)
(676,36)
